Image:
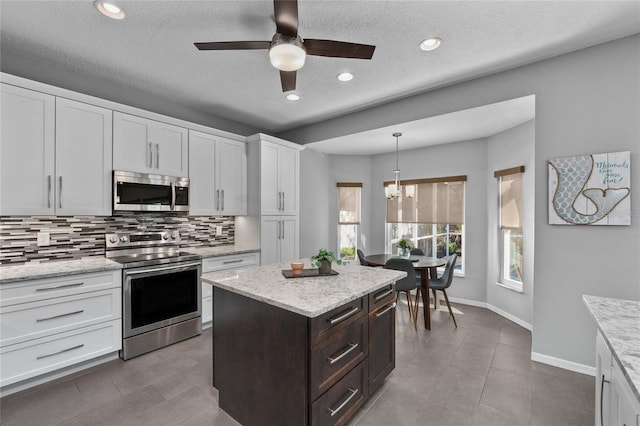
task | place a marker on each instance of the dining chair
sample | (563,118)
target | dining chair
(405,285)
(444,282)
(361,258)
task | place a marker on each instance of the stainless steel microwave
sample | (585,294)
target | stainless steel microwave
(144,192)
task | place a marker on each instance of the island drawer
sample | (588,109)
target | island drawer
(46,288)
(325,324)
(382,296)
(334,356)
(343,400)
(27,321)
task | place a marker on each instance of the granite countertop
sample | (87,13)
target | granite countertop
(31,271)
(221,250)
(309,296)
(619,322)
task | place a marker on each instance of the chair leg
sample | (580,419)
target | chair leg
(411,311)
(446,298)
(416,305)
(435,296)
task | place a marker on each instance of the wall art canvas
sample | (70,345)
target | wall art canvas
(590,189)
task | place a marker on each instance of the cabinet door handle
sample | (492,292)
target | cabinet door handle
(282,200)
(60,352)
(150,155)
(335,411)
(344,316)
(217,199)
(283,229)
(60,191)
(384,311)
(49,191)
(383,295)
(59,286)
(157,156)
(222,195)
(173,195)
(59,316)
(602,399)
(279,231)
(344,353)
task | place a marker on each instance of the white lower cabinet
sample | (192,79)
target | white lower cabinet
(48,324)
(222,263)
(278,239)
(616,404)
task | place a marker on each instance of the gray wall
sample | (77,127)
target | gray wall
(315,203)
(511,148)
(586,102)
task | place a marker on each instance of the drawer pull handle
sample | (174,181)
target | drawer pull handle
(59,286)
(384,311)
(60,352)
(343,316)
(226,262)
(383,295)
(351,347)
(60,316)
(346,401)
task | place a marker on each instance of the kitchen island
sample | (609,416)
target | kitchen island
(301,351)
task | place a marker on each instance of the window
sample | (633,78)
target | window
(348,218)
(510,224)
(430,213)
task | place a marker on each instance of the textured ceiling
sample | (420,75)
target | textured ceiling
(152,49)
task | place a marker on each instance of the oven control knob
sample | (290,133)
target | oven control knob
(113,239)
(174,235)
(165,236)
(123,239)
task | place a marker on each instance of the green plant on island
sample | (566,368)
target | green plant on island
(325,256)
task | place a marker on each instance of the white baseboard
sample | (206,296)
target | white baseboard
(510,317)
(468,302)
(563,363)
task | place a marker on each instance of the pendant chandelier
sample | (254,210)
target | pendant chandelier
(393,191)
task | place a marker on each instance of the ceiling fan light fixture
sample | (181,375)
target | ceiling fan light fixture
(345,76)
(287,53)
(293,97)
(109,9)
(430,44)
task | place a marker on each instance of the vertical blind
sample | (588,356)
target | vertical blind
(510,197)
(433,201)
(349,203)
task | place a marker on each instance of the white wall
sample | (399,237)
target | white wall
(316,203)
(587,101)
(511,148)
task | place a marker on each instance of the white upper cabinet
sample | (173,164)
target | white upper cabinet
(279,171)
(56,155)
(27,152)
(217,174)
(149,146)
(83,159)
(278,239)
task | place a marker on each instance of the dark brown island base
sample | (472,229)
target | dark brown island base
(301,351)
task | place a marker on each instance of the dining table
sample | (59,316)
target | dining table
(428,266)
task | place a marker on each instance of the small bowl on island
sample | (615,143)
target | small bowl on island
(297,267)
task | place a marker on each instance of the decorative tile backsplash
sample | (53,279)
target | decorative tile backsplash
(73,237)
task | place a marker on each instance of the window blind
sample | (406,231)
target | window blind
(434,201)
(348,203)
(510,197)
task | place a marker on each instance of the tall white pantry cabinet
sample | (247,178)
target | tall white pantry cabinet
(273,194)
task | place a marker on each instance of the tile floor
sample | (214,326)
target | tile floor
(477,374)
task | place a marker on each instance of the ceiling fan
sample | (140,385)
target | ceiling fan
(287,50)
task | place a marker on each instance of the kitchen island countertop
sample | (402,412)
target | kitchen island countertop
(619,322)
(309,296)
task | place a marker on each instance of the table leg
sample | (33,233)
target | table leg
(425,299)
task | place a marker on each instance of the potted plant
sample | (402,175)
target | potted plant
(323,260)
(404,247)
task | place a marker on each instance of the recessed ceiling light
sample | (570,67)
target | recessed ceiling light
(109,9)
(430,44)
(293,97)
(345,76)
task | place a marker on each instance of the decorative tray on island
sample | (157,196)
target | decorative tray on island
(313,272)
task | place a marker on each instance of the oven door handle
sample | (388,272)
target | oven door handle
(166,268)
(173,196)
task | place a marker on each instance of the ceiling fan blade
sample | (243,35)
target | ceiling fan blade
(288,80)
(338,49)
(233,45)
(286,14)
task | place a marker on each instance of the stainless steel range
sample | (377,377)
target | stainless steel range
(161,291)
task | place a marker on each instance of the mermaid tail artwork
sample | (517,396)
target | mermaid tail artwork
(573,174)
